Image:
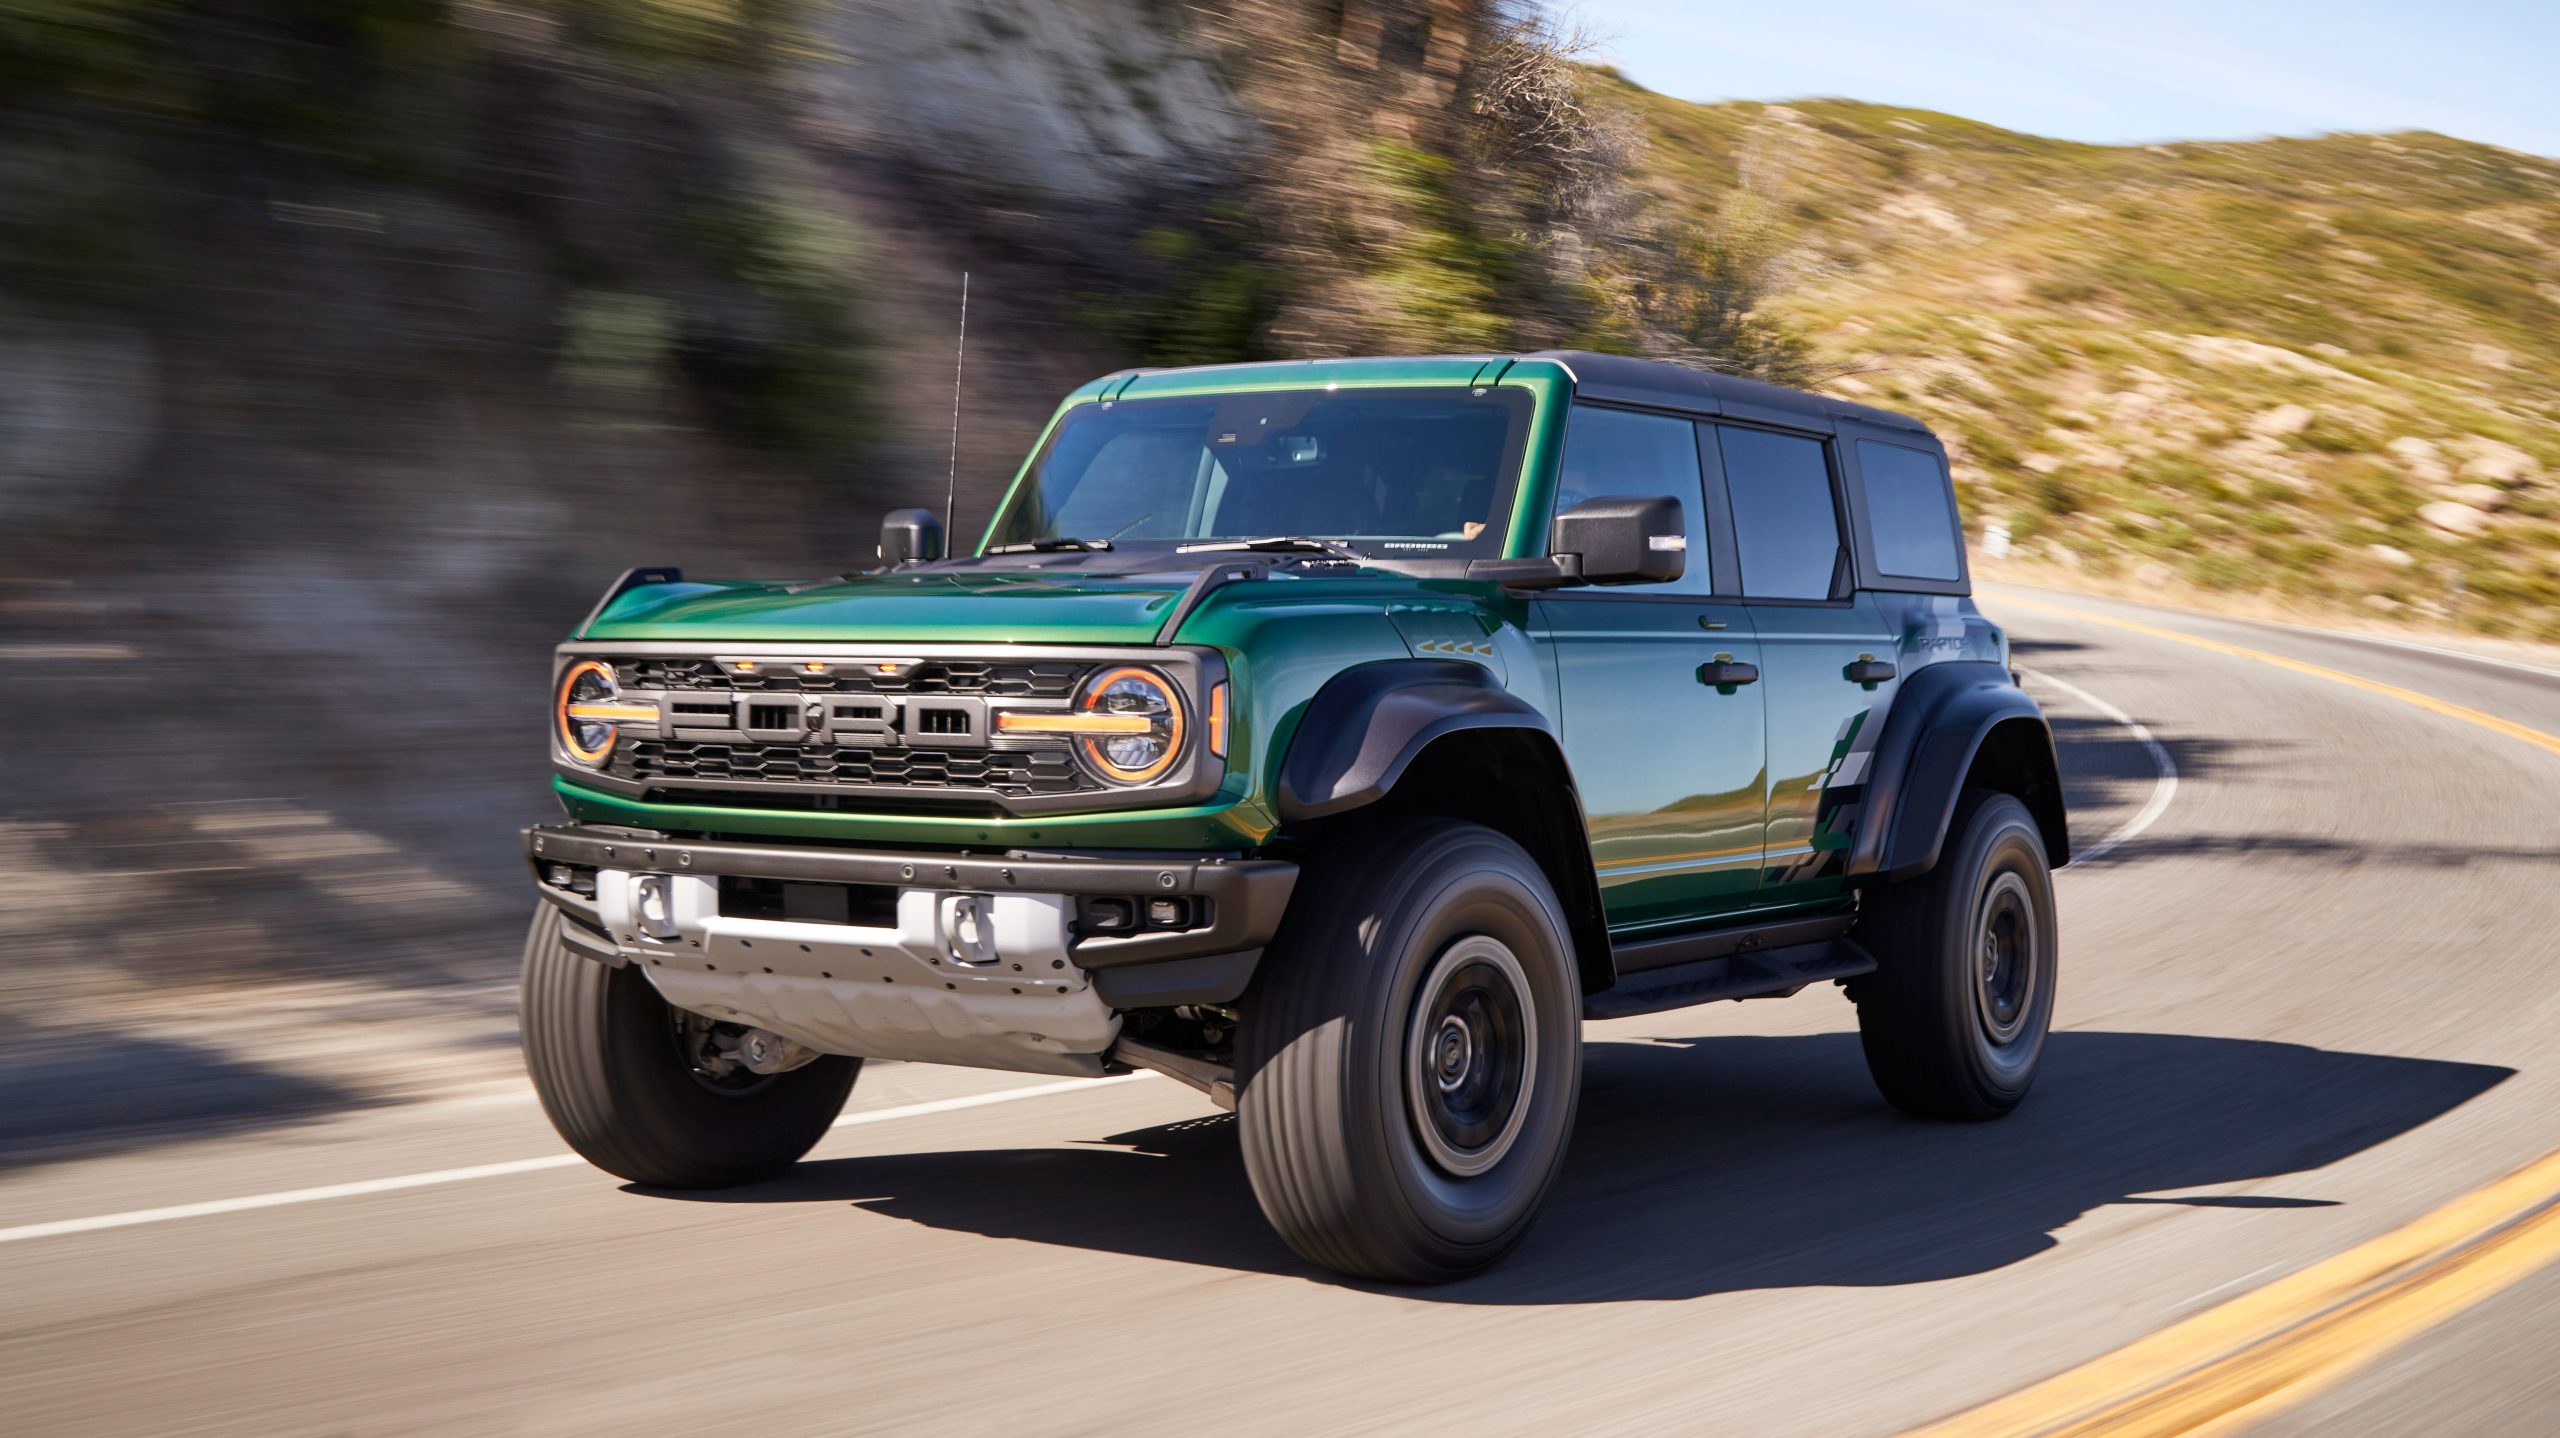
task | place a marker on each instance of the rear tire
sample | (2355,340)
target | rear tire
(1411,1057)
(610,1066)
(1953,1019)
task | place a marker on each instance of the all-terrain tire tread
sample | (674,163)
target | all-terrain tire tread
(1296,1122)
(624,1103)
(1915,1040)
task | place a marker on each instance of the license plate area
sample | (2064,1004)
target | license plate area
(869,906)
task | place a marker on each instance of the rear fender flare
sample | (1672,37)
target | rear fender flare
(1942,720)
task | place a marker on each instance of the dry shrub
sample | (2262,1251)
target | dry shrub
(1439,174)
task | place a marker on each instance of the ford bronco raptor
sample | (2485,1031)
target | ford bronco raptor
(1335,738)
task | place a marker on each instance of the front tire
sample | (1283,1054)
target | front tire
(1953,1019)
(1411,1058)
(611,1062)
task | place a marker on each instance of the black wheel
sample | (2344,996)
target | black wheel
(1411,1055)
(1953,1020)
(639,1088)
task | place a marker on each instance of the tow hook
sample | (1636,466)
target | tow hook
(762,1051)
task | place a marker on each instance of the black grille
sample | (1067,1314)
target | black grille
(1012,772)
(998,678)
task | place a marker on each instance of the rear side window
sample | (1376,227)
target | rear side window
(1784,518)
(1628,455)
(1912,511)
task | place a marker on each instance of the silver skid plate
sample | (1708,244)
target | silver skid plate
(977,979)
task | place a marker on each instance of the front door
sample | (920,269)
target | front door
(1815,633)
(1668,760)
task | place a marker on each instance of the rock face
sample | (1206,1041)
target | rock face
(2230,350)
(76,415)
(1084,102)
(2420,457)
(2453,517)
(2495,461)
(2282,420)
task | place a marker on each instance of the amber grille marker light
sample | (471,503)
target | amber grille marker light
(614,713)
(1018,722)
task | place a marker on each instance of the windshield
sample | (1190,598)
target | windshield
(1393,473)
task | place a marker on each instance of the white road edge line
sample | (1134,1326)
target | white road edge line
(2357,635)
(2164,789)
(2413,646)
(359,1189)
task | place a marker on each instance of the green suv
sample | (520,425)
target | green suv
(1335,738)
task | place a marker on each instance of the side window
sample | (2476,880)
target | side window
(1912,511)
(1639,456)
(1784,519)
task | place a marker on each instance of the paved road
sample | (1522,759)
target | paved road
(2314,1000)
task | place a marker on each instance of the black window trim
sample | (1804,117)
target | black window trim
(1871,570)
(1721,571)
(1850,531)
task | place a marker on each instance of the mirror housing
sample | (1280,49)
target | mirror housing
(1616,539)
(910,536)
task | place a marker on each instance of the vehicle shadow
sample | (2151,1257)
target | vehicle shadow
(1711,1165)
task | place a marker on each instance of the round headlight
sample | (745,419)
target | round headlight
(587,685)
(1141,753)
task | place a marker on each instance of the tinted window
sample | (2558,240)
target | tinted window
(1413,473)
(1627,455)
(1783,516)
(1910,510)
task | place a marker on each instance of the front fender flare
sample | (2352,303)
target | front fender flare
(1366,725)
(1941,719)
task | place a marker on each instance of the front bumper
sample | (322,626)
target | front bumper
(980,960)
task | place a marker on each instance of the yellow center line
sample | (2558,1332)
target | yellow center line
(2428,702)
(2239,1362)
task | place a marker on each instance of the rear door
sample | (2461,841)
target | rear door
(1816,630)
(1669,766)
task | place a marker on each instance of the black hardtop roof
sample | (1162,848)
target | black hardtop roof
(1678,386)
(1629,380)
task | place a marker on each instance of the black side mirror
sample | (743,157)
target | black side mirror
(910,536)
(1618,540)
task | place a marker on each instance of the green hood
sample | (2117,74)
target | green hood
(977,608)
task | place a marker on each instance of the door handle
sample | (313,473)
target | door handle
(1870,670)
(1724,673)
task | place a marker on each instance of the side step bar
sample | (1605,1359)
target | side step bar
(1769,961)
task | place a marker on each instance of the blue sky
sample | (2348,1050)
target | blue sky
(2159,70)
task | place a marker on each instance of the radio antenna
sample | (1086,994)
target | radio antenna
(959,364)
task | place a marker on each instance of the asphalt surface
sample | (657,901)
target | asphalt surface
(2313,1000)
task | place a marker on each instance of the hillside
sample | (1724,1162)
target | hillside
(2319,369)
(343,339)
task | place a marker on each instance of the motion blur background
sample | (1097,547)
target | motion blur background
(349,347)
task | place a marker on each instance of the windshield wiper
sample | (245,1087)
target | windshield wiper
(1056,543)
(1275,544)
(1053,544)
